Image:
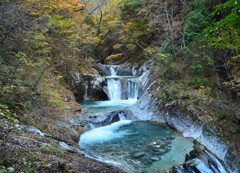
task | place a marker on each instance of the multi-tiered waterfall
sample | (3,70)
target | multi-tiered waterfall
(139,146)
(120,87)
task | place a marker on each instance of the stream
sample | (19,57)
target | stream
(138,146)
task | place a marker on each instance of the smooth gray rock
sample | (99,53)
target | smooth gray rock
(139,154)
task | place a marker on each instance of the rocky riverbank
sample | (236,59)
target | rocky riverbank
(23,151)
(200,119)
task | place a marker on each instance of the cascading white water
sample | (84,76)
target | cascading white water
(112,70)
(120,87)
(113,85)
(121,116)
(138,146)
(114,89)
(132,90)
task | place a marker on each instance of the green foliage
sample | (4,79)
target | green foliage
(197,66)
(41,44)
(131,46)
(196,20)
(27,169)
(199,80)
(132,2)
(59,22)
(164,59)
(196,51)
(224,31)
(6,114)
(1,60)
(131,6)
(6,170)
(166,65)
(183,94)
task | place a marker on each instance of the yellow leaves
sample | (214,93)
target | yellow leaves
(151,50)
(41,44)
(71,5)
(49,90)
(129,25)
(59,77)
(114,56)
(117,46)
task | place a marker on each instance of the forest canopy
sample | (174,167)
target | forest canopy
(45,42)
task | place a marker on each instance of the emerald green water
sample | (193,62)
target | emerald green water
(137,146)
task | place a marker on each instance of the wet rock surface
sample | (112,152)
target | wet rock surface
(95,121)
(201,159)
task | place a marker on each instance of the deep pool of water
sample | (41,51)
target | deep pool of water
(101,107)
(137,146)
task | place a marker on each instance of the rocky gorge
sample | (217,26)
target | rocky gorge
(210,151)
(188,124)
(148,86)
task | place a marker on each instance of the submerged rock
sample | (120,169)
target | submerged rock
(139,154)
(154,158)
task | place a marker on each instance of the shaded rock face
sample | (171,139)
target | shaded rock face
(204,134)
(201,159)
(109,118)
(88,87)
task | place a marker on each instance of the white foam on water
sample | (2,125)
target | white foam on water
(114,89)
(103,134)
(113,103)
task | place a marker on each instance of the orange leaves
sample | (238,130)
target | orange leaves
(114,56)
(71,5)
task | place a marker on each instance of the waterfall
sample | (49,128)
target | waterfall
(120,87)
(114,89)
(113,85)
(122,116)
(132,90)
(112,70)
